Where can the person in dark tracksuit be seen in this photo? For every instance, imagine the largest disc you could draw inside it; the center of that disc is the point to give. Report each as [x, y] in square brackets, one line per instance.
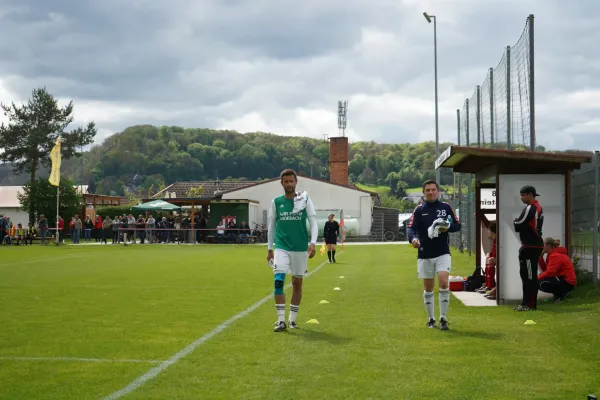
[529, 226]
[428, 230]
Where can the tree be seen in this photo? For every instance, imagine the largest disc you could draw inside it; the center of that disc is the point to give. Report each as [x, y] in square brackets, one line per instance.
[136, 196]
[390, 201]
[32, 130]
[196, 191]
[40, 196]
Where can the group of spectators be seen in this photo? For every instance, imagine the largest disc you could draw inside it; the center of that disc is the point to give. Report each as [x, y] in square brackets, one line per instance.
[126, 228]
[15, 234]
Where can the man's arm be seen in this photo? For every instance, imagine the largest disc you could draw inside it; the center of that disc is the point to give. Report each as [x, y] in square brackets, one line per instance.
[455, 225]
[271, 225]
[311, 214]
[526, 215]
[413, 226]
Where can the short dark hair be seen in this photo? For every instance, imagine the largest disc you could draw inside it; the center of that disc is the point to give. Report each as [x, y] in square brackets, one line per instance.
[492, 227]
[288, 172]
[431, 182]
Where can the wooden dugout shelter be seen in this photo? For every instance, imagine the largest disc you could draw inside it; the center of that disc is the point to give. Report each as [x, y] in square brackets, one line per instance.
[507, 171]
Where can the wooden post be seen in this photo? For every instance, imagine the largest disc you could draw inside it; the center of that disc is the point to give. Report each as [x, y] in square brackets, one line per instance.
[478, 242]
[498, 252]
[193, 233]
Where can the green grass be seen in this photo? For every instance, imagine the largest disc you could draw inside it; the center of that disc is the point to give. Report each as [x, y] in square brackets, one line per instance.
[584, 239]
[149, 302]
[373, 188]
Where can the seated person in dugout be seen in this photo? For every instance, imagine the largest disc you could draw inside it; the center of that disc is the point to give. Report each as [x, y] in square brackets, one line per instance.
[558, 276]
[489, 287]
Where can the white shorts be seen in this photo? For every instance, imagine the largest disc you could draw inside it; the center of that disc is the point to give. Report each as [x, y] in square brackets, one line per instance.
[291, 262]
[428, 267]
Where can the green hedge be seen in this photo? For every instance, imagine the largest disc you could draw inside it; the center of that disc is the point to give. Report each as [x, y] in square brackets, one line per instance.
[112, 211]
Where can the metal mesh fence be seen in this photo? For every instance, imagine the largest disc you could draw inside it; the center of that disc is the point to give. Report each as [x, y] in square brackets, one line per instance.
[463, 204]
[519, 90]
[498, 113]
[463, 126]
[585, 208]
[500, 104]
[486, 112]
[473, 120]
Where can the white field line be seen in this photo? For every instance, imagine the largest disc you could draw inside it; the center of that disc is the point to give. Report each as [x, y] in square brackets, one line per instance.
[96, 360]
[44, 260]
[154, 372]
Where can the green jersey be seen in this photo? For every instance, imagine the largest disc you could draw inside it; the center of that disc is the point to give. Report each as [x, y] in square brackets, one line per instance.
[289, 227]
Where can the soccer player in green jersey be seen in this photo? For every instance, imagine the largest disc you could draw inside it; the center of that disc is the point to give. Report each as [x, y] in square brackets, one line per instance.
[287, 230]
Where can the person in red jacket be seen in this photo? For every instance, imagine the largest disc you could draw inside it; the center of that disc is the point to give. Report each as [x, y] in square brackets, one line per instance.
[558, 276]
[98, 229]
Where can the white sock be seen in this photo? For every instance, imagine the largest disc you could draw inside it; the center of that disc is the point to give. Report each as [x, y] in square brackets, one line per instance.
[280, 312]
[444, 302]
[428, 299]
[293, 312]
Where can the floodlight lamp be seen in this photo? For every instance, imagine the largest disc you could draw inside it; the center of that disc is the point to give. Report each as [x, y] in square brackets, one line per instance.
[427, 17]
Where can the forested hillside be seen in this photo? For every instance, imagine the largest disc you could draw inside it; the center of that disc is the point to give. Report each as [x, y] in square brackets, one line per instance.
[145, 155]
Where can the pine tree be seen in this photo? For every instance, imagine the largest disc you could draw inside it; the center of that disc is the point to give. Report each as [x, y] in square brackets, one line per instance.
[32, 130]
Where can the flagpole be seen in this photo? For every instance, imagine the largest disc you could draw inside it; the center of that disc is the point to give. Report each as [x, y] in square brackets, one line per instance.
[57, 207]
[54, 179]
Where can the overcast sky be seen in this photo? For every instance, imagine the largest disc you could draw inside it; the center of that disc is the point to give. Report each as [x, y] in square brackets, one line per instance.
[280, 66]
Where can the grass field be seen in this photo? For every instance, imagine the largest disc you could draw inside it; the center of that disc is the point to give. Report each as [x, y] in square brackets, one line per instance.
[374, 188]
[154, 322]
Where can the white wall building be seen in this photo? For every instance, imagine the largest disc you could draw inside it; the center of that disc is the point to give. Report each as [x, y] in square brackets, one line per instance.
[10, 205]
[326, 196]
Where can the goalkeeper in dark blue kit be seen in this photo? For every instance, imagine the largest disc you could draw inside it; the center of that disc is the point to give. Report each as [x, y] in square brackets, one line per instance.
[428, 230]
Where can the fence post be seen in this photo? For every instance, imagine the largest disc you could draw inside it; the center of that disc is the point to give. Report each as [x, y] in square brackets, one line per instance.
[596, 216]
[467, 124]
[458, 125]
[478, 116]
[508, 105]
[531, 84]
[492, 107]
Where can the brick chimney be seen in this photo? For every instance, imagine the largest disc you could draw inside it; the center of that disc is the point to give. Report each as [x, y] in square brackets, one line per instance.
[338, 160]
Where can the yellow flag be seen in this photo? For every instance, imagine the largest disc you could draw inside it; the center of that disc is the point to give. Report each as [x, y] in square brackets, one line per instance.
[56, 160]
[323, 249]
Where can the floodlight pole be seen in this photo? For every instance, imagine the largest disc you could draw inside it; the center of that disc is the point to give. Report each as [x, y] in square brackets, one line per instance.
[437, 133]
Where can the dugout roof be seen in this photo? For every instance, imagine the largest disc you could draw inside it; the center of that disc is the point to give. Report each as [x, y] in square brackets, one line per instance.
[472, 160]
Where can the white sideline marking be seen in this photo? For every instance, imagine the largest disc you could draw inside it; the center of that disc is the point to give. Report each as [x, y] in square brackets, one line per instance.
[78, 359]
[151, 374]
[43, 260]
